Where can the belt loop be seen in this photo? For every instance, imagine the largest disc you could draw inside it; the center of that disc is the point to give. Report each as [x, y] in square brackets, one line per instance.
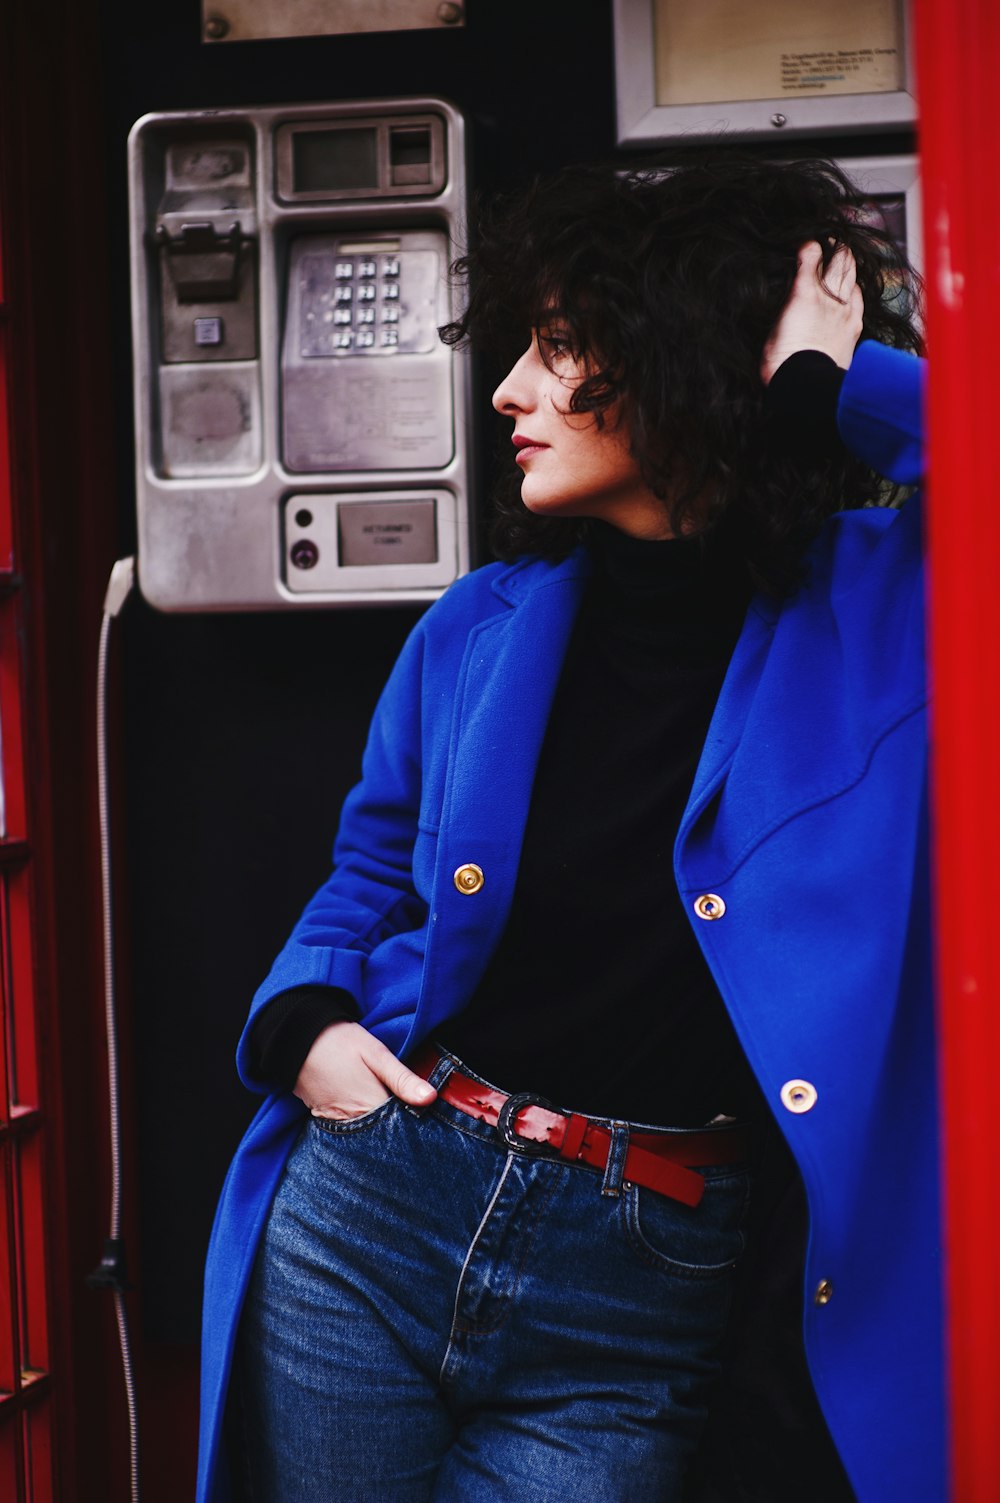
[442, 1069]
[436, 1076]
[615, 1167]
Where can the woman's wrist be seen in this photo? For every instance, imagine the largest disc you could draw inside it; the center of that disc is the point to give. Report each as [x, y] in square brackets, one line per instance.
[285, 1030]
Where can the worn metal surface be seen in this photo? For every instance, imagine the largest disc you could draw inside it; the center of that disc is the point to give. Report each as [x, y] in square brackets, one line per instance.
[247, 20]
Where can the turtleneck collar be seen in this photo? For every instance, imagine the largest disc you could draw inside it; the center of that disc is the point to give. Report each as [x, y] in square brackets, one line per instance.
[668, 582]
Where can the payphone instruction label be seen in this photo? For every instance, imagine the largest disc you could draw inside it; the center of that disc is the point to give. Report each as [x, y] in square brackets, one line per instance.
[387, 532]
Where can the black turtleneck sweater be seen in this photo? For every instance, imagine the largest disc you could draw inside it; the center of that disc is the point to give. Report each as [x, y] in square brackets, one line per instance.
[597, 996]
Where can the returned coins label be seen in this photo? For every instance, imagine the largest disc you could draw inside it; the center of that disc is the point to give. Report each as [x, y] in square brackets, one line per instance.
[387, 532]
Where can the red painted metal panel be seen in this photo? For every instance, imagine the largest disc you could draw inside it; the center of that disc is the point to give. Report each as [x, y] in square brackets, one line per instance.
[958, 50]
[6, 512]
[26, 1459]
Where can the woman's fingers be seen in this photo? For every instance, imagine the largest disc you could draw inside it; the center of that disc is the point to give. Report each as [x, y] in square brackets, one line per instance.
[396, 1077]
[348, 1072]
[825, 311]
[841, 276]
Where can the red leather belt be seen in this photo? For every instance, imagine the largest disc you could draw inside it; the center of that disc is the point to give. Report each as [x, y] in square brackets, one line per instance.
[659, 1161]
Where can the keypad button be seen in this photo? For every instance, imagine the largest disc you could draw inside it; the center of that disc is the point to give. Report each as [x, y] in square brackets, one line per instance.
[345, 294]
[366, 292]
[390, 266]
[366, 315]
[364, 338]
[341, 315]
[366, 268]
[390, 336]
[390, 290]
[344, 269]
[343, 341]
[390, 315]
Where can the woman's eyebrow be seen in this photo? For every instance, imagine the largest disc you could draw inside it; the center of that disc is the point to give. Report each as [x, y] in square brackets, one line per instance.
[550, 316]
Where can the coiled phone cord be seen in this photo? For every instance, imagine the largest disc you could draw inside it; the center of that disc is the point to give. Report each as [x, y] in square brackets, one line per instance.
[110, 1273]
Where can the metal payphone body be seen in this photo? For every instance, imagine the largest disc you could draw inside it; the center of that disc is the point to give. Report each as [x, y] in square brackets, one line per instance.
[302, 435]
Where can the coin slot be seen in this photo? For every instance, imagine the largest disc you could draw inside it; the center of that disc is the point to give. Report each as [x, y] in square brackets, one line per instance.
[410, 154]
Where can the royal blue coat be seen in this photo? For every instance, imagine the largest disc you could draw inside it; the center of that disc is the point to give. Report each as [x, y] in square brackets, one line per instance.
[808, 818]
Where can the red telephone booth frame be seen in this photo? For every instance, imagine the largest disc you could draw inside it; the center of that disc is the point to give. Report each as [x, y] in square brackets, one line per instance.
[957, 52]
[958, 47]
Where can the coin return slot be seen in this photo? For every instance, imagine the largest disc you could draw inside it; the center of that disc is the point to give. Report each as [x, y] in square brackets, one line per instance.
[410, 155]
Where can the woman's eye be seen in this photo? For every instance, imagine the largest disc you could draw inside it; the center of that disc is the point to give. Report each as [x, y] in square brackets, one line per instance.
[556, 346]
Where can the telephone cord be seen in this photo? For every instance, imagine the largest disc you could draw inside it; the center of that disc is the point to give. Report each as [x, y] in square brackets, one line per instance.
[111, 1271]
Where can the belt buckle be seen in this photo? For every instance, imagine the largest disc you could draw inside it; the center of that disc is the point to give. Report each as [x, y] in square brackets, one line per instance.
[507, 1116]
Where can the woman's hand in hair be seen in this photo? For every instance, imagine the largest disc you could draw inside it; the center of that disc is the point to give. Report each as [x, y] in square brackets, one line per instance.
[348, 1072]
[824, 311]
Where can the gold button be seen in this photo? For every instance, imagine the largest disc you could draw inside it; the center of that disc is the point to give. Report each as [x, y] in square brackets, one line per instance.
[824, 1292]
[799, 1095]
[469, 878]
[709, 906]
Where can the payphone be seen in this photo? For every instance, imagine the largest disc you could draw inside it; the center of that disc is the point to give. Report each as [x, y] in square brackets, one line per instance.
[301, 432]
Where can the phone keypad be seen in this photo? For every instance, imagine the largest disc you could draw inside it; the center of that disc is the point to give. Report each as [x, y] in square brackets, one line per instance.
[357, 308]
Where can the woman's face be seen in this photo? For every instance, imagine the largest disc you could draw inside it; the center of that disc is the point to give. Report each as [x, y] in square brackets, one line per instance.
[572, 467]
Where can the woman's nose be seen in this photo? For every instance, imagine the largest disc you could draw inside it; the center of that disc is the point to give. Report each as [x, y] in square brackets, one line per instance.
[513, 395]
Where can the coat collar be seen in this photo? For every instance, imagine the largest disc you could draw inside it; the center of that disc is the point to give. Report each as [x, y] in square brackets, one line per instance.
[515, 584]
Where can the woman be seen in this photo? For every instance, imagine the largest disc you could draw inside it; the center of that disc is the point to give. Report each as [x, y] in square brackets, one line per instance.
[637, 865]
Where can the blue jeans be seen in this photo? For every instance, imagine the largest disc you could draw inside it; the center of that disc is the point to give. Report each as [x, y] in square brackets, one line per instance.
[434, 1318]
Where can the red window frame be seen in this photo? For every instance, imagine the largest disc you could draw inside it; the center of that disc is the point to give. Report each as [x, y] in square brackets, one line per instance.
[26, 1452]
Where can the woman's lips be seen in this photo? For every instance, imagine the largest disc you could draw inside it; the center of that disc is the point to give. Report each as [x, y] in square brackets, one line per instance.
[526, 447]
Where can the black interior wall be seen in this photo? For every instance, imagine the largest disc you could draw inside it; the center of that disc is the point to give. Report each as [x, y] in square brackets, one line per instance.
[243, 733]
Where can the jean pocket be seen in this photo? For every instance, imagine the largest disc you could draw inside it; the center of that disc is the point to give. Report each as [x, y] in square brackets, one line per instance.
[338, 1126]
[694, 1242]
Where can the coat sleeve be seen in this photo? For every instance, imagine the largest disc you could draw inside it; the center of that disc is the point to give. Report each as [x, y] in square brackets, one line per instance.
[370, 894]
[881, 409]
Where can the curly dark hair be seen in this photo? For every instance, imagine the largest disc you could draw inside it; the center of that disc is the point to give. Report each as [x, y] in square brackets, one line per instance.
[670, 281]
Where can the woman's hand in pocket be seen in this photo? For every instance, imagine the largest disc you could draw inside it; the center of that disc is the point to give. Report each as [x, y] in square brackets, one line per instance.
[348, 1073]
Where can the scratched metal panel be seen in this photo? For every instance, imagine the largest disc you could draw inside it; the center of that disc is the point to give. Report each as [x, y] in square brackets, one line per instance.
[249, 20]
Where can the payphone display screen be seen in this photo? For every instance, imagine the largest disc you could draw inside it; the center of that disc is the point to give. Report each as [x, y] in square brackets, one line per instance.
[335, 160]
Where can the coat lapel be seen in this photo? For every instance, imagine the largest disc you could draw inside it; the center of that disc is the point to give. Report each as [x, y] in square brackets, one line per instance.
[732, 708]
